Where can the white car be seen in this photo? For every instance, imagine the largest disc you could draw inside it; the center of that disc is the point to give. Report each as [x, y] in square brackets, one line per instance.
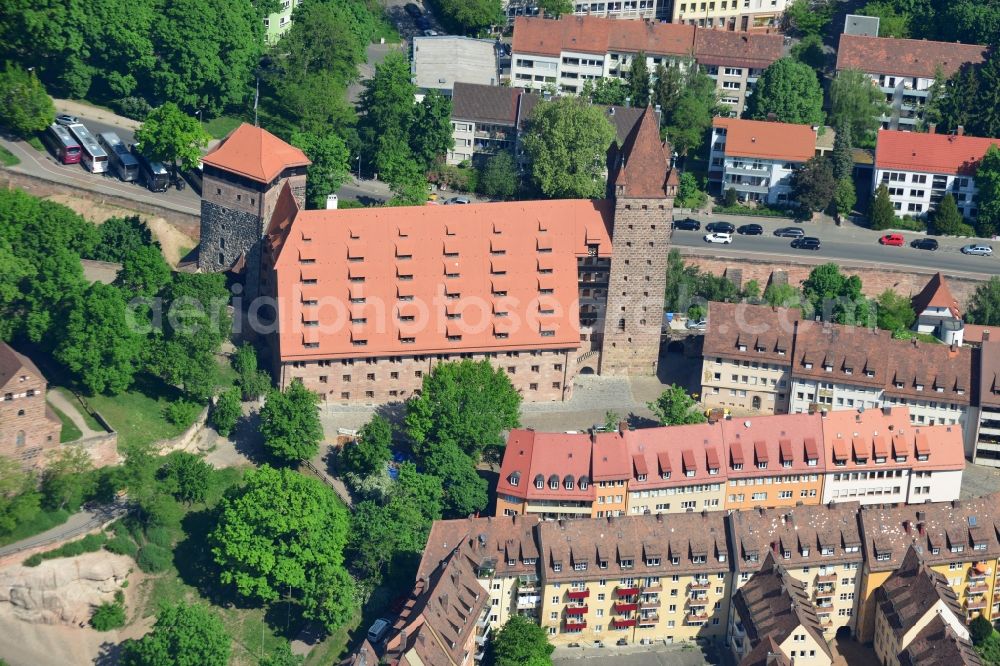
[719, 238]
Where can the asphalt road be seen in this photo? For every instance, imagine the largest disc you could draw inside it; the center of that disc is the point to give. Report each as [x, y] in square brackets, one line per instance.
[848, 244]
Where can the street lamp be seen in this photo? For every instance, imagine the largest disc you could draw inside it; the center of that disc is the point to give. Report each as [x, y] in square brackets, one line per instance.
[199, 115]
[359, 167]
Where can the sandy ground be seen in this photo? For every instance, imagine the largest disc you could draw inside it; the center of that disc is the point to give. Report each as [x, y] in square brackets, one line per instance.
[173, 242]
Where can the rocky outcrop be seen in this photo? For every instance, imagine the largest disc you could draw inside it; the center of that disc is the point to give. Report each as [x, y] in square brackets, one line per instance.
[62, 591]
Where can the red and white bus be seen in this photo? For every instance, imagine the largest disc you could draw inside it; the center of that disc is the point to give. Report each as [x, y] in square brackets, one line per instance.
[93, 156]
[62, 144]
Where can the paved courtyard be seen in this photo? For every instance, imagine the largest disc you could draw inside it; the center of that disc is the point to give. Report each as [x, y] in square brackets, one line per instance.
[652, 655]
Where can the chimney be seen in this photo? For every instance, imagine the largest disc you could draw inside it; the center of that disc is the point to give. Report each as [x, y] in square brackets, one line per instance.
[622, 426]
[986, 335]
[906, 526]
[931, 128]
[920, 529]
[960, 130]
[921, 516]
[659, 517]
[331, 202]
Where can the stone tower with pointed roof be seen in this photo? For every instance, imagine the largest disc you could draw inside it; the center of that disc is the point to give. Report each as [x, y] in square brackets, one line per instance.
[243, 176]
[643, 186]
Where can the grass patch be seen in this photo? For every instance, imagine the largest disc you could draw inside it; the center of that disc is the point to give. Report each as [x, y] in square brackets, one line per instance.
[386, 30]
[219, 127]
[921, 337]
[44, 520]
[759, 211]
[8, 158]
[36, 143]
[69, 432]
[138, 414]
[88, 418]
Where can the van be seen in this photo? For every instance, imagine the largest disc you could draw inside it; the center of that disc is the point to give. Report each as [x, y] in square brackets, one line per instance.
[377, 631]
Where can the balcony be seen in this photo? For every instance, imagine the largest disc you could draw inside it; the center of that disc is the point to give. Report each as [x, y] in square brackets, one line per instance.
[831, 578]
[576, 595]
[619, 607]
[702, 584]
[824, 593]
[481, 655]
[576, 610]
[649, 620]
[977, 589]
[979, 571]
[696, 619]
[975, 604]
[649, 605]
[698, 595]
[575, 625]
[746, 187]
[484, 622]
[527, 602]
[481, 640]
[748, 170]
[650, 589]
[820, 605]
[626, 591]
[622, 624]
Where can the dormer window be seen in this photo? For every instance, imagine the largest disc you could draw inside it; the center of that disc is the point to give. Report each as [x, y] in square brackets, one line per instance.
[528, 561]
[828, 368]
[514, 478]
[568, 484]
[579, 566]
[762, 465]
[742, 347]
[786, 463]
[737, 467]
[935, 550]
[554, 484]
[751, 556]
[689, 472]
[652, 561]
[848, 371]
[627, 563]
[583, 484]
[920, 387]
[898, 385]
[665, 475]
[922, 457]
[602, 564]
[640, 477]
[539, 482]
[826, 550]
[787, 554]
[805, 551]
[812, 462]
[698, 559]
[557, 566]
[511, 563]
[809, 366]
[957, 548]
[869, 373]
[675, 560]
[713, 471]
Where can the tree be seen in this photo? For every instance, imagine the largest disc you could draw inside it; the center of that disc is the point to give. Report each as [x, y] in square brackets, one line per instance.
[844, 196]
[371, 451]
[25, 107]
[688, 119]
[498, 177]
[843, 153]
[837, 297]
[611, 420]
[19, 501]
[668, 86]
[731, 197]
[555, 8]
[894, 312]
[856, 102]
[689, 195]
[282, 533]
[67, 479]
[782, 295]
[99, 345]
[891, 21]
[330, 166]
[813, 185]
[227, 411]
[282, 656]
[253, 383]
[567, 142]
[431, 134]
[947, 219]
[521, 642]
[185, 476]
[988, 195]
[606, 91]
[183, 635]
[169, 135]
[790, 91]
[120, 237]
[471, 16]
[638, 80]
[984, 307]
[465, 492]
[809, 50]
[809, 17]
[676, 407]
[108, 616]
[144, 271]
[882, 214]
[290, 423]
[980, 629]
[465, 403]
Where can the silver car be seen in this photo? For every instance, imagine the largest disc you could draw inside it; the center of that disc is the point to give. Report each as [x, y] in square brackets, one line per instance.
[978, 249]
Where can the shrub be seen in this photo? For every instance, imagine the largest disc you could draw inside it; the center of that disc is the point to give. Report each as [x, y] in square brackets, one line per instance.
[122, 545]
[908, 223]
[135, 108]
[161, 536]
[108, 616]
[731, 198]
[88, 544]
[760, 211]
[181, 413]
[154, 559]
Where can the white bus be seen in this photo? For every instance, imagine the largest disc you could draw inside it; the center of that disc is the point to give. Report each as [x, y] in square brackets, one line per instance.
[122, 161]
[93, 158]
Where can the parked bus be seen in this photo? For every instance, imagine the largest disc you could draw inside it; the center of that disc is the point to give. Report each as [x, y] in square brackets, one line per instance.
[62, 144]
[154, 174]
[93, 156]
[122, 161]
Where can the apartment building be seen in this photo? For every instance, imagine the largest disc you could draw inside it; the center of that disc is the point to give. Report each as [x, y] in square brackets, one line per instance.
[564, 54]
[278, 23]
[639, 578]
[742, 15]
[958, 540]
[504, 554]
[987, 421]
[757, 158]
[774, 461]
[773, 607]
[918, 169]
[29, 428]
[616, 9]
[904, 70]
[746, 358]
[913, 605]
[878, 457]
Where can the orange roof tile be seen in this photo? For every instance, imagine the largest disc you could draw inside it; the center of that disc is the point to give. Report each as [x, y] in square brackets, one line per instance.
[774, 440]
[767, 140]
[255, 153]
[736, 49]
[677, 450]
[930, 153]
[362, 262]
[936, 294]
[591, 34]
[905, 57]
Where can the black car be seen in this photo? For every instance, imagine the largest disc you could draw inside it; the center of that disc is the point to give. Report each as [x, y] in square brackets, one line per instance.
[924, 244]
[750, 229]
[412, 10]
[687, 224]
[720, 228]
[806, 243]
[789, 232]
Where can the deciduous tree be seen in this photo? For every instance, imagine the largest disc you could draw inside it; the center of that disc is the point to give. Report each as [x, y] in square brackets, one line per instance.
[638, 80]
[121, 236]
[290, 423]
[894, 313]
[471, 16]
[431, 130]
[371, 451]
[809, 50]
[183, 635]
[790, 91]
[253, 383]
[688, 119]
[610, 91]
[988, 195]
[946, 219]
[809, 17]
[19, 500]
[844, 196]
[25, 107]
[169, 135]
[227, 411]
[813, 185]
[330, 166]
[676, 407]
[984, 308]
[498, 177]
[856, 102]
[67, 479]
[465, 492]
[555, 8]
[185, 476]
[144, 272]
[567, 142]
[521, 642]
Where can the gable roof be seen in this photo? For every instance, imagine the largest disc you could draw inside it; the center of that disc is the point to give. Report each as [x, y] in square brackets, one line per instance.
[485, 104]
[930, 153]
[13, 364]
[936, 294]
[768, 140]
[937, 644]
[989, 373]
[736, 49]
[912, 591]
[905, 57]
[483, 541]
[767, 653]
[255, 153]
[643, 164]
[599, 35]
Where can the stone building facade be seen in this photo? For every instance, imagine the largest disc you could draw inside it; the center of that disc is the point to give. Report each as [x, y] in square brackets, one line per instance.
[28, 426]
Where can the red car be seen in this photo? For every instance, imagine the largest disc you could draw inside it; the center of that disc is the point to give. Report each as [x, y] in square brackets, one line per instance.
[892, 239]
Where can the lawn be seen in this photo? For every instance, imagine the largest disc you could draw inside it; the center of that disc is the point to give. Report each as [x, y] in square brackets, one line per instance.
[219, 127]
[138, 414]
[45, 520]
[69, 432]
[36, 143]
[387, 31]
[8, 158]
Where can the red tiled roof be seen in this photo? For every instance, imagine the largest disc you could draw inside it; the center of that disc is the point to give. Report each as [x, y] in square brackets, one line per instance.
[768, 140]
[930, 153]
[13, 363]
[591, 34]
[677, 449]
[905, 57]
[936, 294]
[774, 440]
[611, 459]
[399, 260]
[255, 153]
[644, 161]
[548, 456]
[736, 49]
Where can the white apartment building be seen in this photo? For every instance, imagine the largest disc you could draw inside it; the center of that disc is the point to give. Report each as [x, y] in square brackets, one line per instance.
[732, 15]
[278, 23]
[757, 158]
[918, 169]
[904, 70]
[615, 9]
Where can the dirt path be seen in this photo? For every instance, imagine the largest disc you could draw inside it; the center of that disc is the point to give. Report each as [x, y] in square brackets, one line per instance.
[60, 402]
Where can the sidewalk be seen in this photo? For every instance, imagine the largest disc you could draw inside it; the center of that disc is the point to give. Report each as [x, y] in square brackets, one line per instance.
[70, 409]
[75, 108]
[76, 525]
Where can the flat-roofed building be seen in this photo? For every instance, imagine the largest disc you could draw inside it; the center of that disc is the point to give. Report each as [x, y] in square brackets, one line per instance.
[637, 578]
[987, 422]
[774, 461]
[441, 61]
[878, 457]
[820, 546]
[958, 540]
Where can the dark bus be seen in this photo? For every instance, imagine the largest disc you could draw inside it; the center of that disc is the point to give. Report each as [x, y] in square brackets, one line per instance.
[154, 174]
[62, 144]
[122, 161]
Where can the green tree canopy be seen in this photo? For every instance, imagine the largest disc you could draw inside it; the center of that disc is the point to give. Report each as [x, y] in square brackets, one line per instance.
[782, 295]
[227, 411]
[330, 164]
[283, 532]
[498, 177]
[837, 297]
[144, 272]
[809, 17]
[790, 91]
[185, 476]
[947, 219]
[371, 451]
[894, 313]
[555, 8]
[19, 499]
[521, 642]
[687, 117]
[289, 422]
[856, 102]
[882, 215]
[809, 50]
[842, 155]
[638, 80]
[844, 196]
[676, 407]
[610, 91]
[984, 308]
[431, 130]
[891, 21]
[183, 635]
[471, 16]
[813, 185]
[988, 195]
[465, 492]
[169, 135]
[67, 479]
[465, 403]
[120, 237]
[25, 107]
[567, 141]
[253, 383]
